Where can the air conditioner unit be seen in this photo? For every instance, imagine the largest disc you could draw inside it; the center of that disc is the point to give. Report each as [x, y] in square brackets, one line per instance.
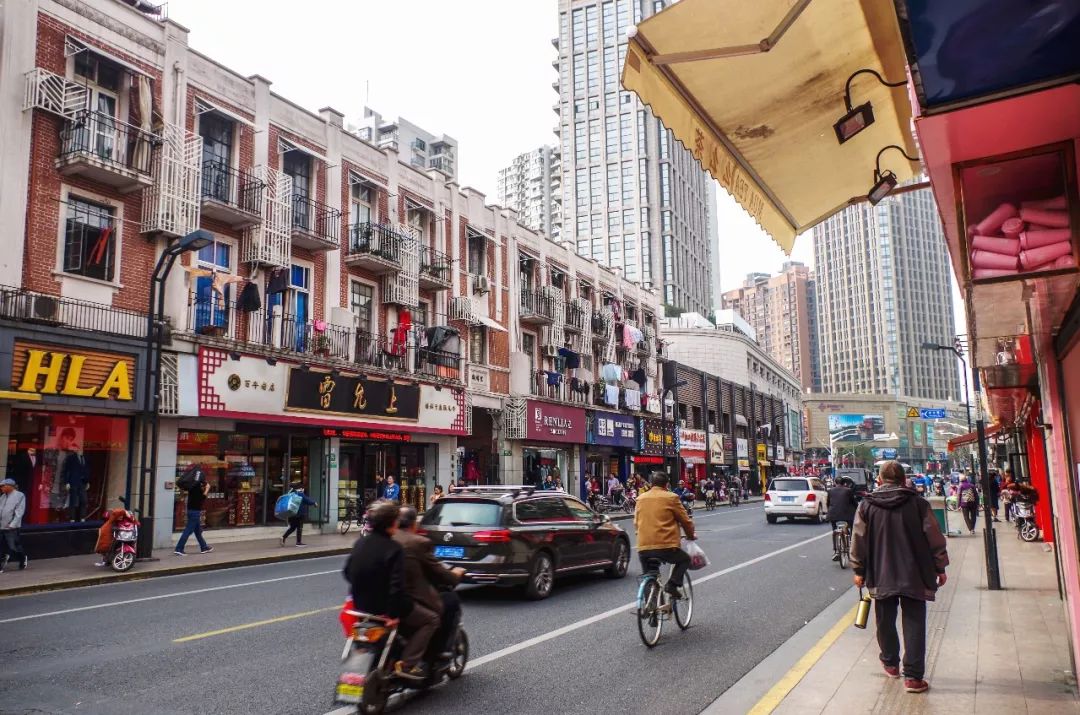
[481, 284]
[38, 309]
[551, 351]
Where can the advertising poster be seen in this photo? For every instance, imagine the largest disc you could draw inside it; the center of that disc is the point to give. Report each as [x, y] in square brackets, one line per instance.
[855, 428]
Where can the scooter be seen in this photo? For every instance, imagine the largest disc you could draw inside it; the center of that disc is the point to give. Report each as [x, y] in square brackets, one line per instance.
[373, 644]
[125, 534]
[630, 502]
[1024, 516]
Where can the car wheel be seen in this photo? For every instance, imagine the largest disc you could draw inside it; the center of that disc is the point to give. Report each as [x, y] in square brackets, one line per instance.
[821, 515]
[771, 518]
[541, 577]
[621, 562]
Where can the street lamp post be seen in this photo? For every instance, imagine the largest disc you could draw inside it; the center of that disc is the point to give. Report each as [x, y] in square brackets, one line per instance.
[150, 427]
[668, 404]
[993, 574]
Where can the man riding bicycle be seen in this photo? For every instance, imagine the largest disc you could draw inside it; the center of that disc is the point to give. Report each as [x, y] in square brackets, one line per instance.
[842, 507]
[735, 489]
[657, 520]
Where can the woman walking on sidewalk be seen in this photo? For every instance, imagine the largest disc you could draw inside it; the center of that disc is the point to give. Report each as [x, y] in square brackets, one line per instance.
[969, 503]
[296, 523]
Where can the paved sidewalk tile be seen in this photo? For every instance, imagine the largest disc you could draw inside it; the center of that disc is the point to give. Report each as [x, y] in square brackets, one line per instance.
[987, 651]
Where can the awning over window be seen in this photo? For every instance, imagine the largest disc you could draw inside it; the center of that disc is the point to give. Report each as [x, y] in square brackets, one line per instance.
[753, 90]
[494, 325]
[972, 437]
[740, 421]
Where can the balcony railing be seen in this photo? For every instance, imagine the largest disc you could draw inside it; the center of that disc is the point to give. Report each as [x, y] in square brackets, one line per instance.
[106, 149]
[602, 323]
[564, 390]
[315, 225]
[32, 307]
[238, 190]
[577, 315]
[434, 268]
[375, 246]
[536, 306]
[267, 328]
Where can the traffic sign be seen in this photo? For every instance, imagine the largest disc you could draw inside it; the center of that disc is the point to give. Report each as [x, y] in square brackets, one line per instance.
[935, 413]
[912, 412]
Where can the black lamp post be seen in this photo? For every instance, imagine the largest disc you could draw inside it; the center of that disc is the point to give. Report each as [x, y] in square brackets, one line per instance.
[150, 427]
[668, 403]
[993, 574]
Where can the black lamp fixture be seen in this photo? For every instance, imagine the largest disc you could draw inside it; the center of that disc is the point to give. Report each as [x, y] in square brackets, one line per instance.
[305, 367]
[234, 355]
[885, 182]
[271, 361]
[858, 118]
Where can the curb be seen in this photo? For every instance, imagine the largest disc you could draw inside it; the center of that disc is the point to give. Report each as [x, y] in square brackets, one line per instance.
[172, 571]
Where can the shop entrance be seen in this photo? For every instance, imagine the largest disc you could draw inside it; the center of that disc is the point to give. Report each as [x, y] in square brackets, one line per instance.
[364, 467]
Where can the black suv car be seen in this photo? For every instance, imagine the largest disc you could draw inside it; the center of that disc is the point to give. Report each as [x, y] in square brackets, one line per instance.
[520, 536]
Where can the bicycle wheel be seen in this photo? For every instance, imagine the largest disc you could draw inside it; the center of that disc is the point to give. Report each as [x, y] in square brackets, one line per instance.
[345, 524]
[844, 545]
[684, 607]
[649, 620]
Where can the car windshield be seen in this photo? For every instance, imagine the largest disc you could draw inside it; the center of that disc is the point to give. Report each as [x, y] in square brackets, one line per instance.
[789, 485]
[463, 513]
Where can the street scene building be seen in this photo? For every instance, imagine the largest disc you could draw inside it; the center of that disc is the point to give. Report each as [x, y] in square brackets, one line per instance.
[532, 186]
[415, 146]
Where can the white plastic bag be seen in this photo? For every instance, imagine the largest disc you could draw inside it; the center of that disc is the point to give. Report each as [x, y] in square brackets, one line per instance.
[698, 559]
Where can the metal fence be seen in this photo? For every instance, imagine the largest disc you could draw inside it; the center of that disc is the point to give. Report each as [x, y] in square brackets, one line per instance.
[108, 140]
[32, 307]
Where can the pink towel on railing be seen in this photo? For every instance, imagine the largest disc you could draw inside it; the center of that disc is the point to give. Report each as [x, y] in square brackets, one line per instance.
[1004, 246]
[1037, 258]
[1034, 239]
[1055, 204]
[992, 223]
[1043, 217]
[986, 259]
[980, 273]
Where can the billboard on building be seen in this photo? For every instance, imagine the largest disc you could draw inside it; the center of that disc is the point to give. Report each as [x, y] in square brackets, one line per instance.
[854, 427]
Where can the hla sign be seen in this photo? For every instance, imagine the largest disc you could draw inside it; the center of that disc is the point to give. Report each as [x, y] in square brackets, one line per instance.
[102, 376]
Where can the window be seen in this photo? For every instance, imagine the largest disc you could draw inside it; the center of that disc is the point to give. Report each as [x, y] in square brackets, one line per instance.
[296, 308]
[446, 513]
[211, 309]
[297, 165]
[578, 510]
[626, 129]
[477, 254]
[217, 135]
[361, 203]
[549, 509]
[478, 345]
[90, 240]
[528, 346]
[361, 298]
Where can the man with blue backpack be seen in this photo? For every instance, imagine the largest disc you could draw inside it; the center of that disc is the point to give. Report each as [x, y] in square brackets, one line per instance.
[294, 507]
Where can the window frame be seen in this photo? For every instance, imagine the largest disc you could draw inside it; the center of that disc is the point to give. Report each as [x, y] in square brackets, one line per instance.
[66, 194]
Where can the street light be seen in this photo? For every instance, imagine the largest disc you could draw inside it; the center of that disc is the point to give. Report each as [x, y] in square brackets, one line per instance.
[148, 451]
[669, 404]
[993, 575]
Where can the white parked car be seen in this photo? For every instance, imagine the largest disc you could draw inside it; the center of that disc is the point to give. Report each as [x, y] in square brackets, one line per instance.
[796, 497]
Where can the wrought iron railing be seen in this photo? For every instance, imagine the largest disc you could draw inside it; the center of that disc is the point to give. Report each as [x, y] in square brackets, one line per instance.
[561, 388]
[434, 264]
[438, 363]
[108, 140]
[316, 218]
[376, 239]
[234, 187]
[576, 316]
[535, 302]
[228, 320]
[33, 307]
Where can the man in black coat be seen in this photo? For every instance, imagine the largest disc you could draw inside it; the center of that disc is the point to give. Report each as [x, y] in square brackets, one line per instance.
[375, 571]
[841, 508]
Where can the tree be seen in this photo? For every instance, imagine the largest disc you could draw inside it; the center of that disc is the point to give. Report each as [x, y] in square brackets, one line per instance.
[672, 311]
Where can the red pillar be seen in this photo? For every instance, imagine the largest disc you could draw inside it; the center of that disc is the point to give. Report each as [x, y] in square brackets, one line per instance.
[1037, 468]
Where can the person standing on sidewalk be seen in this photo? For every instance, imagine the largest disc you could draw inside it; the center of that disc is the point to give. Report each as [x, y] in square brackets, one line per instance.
[392, 492]
[899, 553]
[195, 499]
[12, 508]
[969, 502]
[296, 523]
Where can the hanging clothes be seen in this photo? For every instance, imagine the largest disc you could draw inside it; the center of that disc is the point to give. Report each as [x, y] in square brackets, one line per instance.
[611, 395]
[636, 335]
[401, 332]
[279, 281]
[627, 336]
[554, 379]
[97, 253]
[249, 300]
[611, 373]
[633, 399]
[638, 376]
[573, 360]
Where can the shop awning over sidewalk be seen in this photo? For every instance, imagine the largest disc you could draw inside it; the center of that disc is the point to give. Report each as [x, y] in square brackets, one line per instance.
[972, 437]
[759, 113]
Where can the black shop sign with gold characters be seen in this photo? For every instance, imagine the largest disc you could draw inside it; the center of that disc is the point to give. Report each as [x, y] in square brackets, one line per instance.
[327, 393]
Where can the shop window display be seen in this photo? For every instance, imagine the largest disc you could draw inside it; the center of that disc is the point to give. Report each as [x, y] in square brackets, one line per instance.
[235, 467]
[70, 466]
[539, 464]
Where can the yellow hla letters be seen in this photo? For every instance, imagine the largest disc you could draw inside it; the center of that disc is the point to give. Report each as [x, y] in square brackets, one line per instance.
[117, 380]
[48, 365]
[35, 369]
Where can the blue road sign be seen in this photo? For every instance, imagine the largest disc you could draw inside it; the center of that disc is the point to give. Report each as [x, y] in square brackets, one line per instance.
[936, 413]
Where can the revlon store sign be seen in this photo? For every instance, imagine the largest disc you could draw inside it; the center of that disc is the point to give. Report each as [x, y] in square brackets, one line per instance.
[553, 423]
[45, 372]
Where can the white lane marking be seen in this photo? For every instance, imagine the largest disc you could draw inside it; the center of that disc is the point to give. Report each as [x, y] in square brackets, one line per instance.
[166, 595]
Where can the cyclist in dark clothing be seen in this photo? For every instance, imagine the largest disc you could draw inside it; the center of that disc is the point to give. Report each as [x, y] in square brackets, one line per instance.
[841, 508]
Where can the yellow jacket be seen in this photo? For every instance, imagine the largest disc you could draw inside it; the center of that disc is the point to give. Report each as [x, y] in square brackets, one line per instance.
[657, 518]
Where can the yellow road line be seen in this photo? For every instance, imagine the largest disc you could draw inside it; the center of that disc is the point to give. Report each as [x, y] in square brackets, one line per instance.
[256, 624]
[778, 692]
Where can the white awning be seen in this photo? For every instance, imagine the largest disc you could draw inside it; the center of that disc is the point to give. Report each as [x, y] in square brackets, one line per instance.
[491, 323]
[202, 104]
[357, 178]
[73, 46]
[741, 421]
[284, 146]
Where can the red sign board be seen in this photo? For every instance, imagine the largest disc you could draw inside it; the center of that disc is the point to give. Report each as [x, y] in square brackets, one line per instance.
[367, 434]
[554, 423]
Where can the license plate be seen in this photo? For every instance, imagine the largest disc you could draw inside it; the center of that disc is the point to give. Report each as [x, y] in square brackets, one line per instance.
[449, 552]
[787, 499]
[347, 693]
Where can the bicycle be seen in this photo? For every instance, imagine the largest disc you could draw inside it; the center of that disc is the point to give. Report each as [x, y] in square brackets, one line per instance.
[842, 543]
[353, 513]
[710, 500]
[654, 604]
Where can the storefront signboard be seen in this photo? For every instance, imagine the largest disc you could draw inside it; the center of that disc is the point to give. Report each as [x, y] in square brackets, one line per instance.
[716, 448]
[742, 450]
[654, 436]
[613, 430]
[366, 434]
[43, 369]
[441, 409]
[692, 440]
[325, 393]
[780, 452]
[554, 423]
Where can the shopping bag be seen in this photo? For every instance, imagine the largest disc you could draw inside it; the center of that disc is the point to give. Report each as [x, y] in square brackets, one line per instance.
[698, 559]
[288, 505]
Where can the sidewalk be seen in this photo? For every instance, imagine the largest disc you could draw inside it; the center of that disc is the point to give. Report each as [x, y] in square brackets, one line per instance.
[987, 651]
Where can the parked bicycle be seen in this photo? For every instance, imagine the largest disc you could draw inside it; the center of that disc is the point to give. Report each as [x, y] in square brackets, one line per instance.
[842, 543]
[354, 514]
[655, 605]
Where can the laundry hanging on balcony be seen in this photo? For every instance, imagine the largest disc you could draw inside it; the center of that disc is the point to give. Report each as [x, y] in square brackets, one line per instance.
[611, 373]
[249, 300]
[279, 281]
[611, 395]
[572, 359]
[631, 336]
[401, 333]
[443, 346]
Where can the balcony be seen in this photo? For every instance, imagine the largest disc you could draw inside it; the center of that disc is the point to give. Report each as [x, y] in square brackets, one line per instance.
[101, 148]
[563, 390]
[31, 307]
[375, 247]
[315, 226]
[232, 196]
[578, 313]
[434, 269]
[536, 307]
[269, 328]
[603, 325]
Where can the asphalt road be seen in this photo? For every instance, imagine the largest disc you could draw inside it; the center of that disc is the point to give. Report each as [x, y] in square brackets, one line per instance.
[265, 639]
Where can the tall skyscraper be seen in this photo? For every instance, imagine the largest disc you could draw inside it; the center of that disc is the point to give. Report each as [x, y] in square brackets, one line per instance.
[883, 289]
[778, 309]
[633, 197]
[532, 186]
[423, 149]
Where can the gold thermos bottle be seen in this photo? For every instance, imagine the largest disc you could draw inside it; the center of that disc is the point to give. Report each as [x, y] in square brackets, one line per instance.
[862, 615]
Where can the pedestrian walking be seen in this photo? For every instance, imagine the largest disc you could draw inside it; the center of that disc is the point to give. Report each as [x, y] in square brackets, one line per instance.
[969, 502]
[994, 494]
[436, 495]
[1008, 494]
[898, 552]
[195, 499]
[296, 522]
[12, 508]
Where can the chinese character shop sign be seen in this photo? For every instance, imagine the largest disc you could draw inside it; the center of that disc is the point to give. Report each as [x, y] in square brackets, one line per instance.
[613, 430]
[324, 392]
[554, 423]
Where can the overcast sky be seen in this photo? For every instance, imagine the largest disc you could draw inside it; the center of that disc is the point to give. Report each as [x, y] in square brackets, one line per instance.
[478, 70]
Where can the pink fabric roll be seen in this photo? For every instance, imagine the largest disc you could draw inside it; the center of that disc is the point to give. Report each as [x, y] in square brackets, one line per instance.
[992, 223]
[980, 273]
[1053, 219]
[1004, 246]
[1055, 204]
[1037, 257]
[986, 259]
[1065, 262]
[1012, 227]
[1035, 239]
